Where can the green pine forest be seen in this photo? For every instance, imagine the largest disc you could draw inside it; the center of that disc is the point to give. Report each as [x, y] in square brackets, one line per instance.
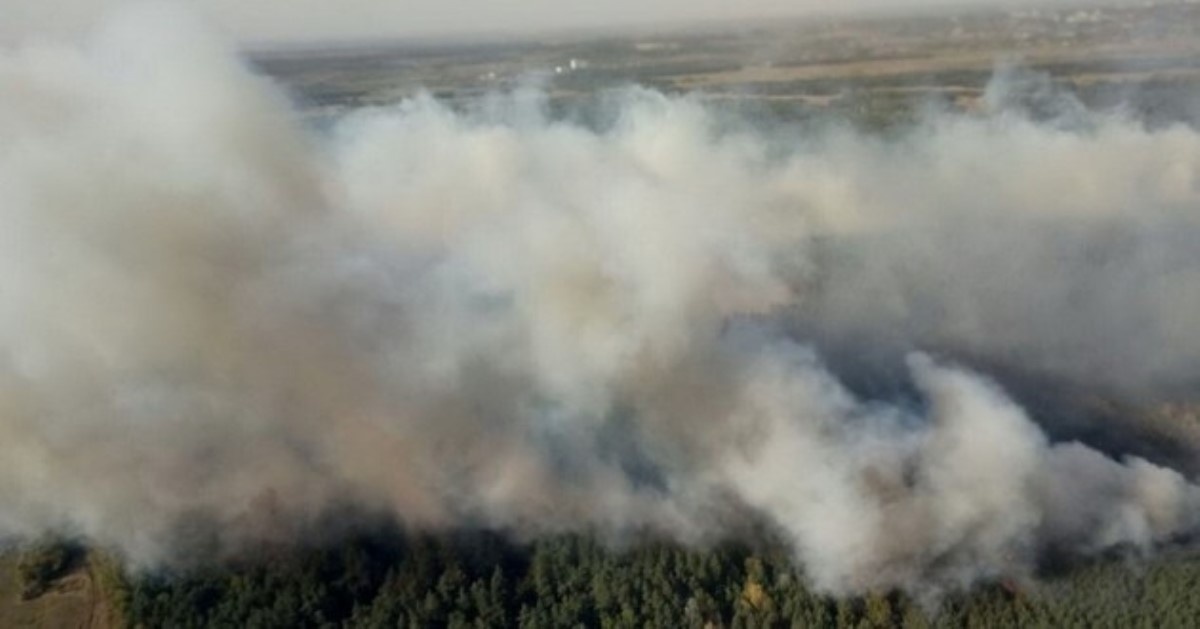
[485, 580]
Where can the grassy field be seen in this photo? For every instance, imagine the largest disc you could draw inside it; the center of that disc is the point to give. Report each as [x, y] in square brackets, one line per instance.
[74, 601]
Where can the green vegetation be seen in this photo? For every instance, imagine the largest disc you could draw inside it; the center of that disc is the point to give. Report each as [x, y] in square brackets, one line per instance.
[481, 580]
[111, 583]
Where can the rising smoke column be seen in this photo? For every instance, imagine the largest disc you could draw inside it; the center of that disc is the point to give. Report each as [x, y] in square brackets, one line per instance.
[216, 325]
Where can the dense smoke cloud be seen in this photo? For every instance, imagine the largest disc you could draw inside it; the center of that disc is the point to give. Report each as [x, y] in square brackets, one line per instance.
[216, 325]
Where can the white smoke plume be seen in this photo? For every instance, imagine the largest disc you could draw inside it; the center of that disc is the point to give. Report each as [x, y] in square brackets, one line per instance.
[215, 322]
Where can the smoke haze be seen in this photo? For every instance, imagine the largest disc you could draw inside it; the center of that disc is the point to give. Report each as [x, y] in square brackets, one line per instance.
[216, 325]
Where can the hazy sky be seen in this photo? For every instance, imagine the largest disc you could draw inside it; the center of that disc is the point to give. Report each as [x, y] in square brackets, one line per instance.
[298, 20]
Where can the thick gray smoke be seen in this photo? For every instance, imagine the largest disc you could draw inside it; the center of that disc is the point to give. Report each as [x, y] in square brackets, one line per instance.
[215, 321]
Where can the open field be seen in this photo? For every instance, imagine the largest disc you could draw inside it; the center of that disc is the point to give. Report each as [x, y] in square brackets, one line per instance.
[74, 601]
[863, 68]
